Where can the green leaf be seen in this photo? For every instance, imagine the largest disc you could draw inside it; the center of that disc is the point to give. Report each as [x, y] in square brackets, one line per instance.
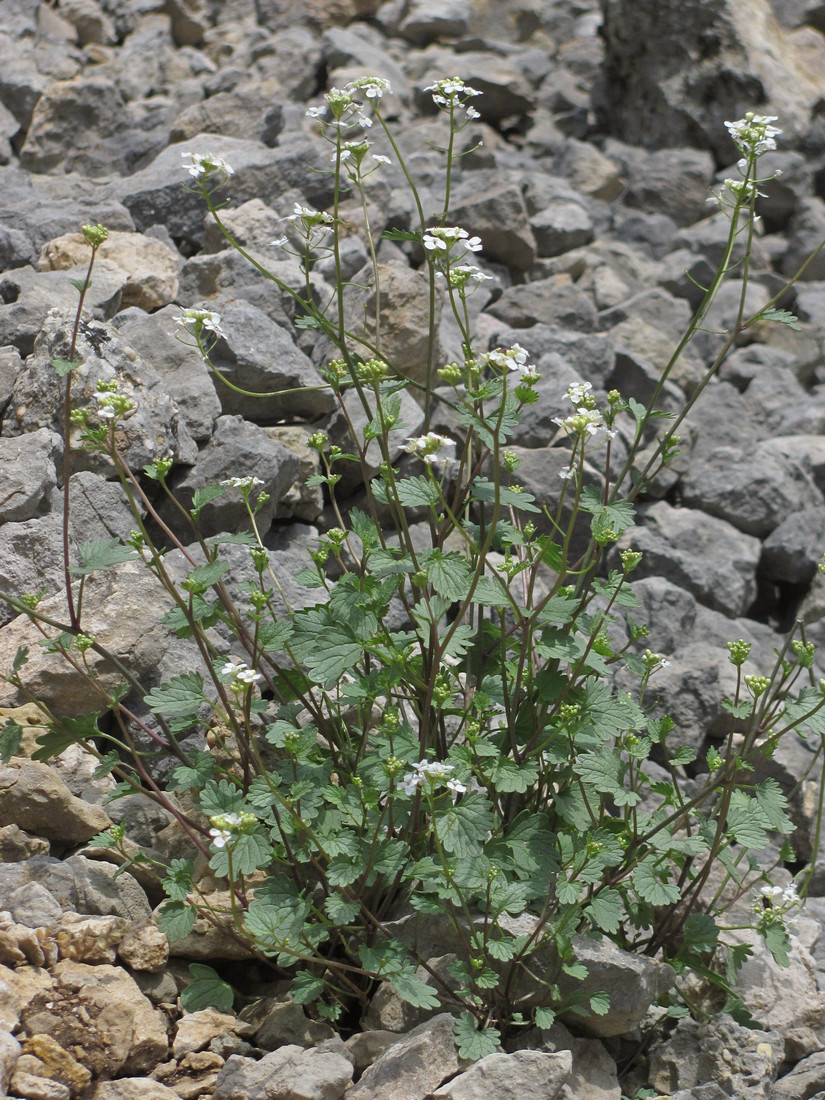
[781, 316]
[178, 880]
[746, 822]
[10, 740]
[605, 910]
[400, 235]
[196, 773]
[448, 574]
[179, 697]
[341, 910]
[649, 885]
[700, 932]
[509, 777]
[324, 644]
[306, 320]
[202, 611]
[683, 755]
[204, 496]
[415, 492]
[101, 554]
[465, 825]
[208, 990]
[773, 804]
[777, 942]
[21, 658]
[364, 528]
[107, 765]
[62, 367]
[413, 990]
[249, 852]
[473, 1044]
[306, 988]
[600, 1004]
[80, 284]
[484, 489]
[64, 732]
[204, 576]
[545, 1018]
[176, 919]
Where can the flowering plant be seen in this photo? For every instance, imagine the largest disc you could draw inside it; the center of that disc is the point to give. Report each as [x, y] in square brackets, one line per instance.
[441, 733]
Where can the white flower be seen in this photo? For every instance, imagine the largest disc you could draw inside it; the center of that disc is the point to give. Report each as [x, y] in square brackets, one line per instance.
[441, 238]
[578, 392]
[584, 422]
[373, 87]
[427, 447]
[433, 769]
[456, 786]
[207, 165]
[279, 243]
[566, 472]
[220, 837]
[754, 134]
[409, 783]
[242, 482]
[241, 673]
[379, 158]
[200, 320]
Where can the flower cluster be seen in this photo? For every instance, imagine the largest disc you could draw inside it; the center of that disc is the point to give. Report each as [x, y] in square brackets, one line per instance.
[587, 421]
[226, 826]
[432, 772]
[343, 108]
[754, 134]
[460, 276]
[240, 673]
[427, 447]
[207, 168]
[777, 905]
[451, 94]
[111, 405]
[442, 238]
[244, 484]
[513, 359]
[200, 321]
[352, 153]
[312, 226]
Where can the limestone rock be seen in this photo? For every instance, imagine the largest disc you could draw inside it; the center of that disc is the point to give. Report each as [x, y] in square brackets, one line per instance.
[412, 1067]
[35, 798]
[316, 1074]
[526, 1075]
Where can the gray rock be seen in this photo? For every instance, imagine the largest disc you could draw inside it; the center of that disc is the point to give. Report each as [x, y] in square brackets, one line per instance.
[502, 81]
[42, 869]
[286, 1074]
[710, 558]
[742, 1062]
[753, 489]
[550, 301]
[29, 295]
[589, 355]
[411, 1068]
[102, 891]
[807, 228]
[31, 1086]
[98, 507]
[525, 1075]
[560, 227]
[497, 214]
[594, 1075]
[260, 356]
[427, 21]
[155, 337]
[664, 84]
[104, 137]
[284, 1023]
[143, 818]
[34, 906]
[237, 448]
[31, 558]
[154, 430]
[806, 1078]
[156, 193]
[132, 1088]
[17, 846]
[252, 109]
[668, 610]
[791, 552]
[9, 1053]
[673, 182]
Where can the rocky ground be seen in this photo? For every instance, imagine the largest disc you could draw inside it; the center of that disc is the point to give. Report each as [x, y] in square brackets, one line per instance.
[603, 131]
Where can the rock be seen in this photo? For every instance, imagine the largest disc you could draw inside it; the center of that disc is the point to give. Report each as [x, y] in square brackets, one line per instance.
[150, 265]
[35, 798]
[707, 556]
[103, 890]
[411, 1068]
[753, 489]
[792, 550]
[593, 1075]
[123, 607]
[154, 430]
[497, 214]
[366, 1046]
[144, 948]
[236, 448]
[29, 296]
[98, 1014]
[806, 1078]
[550, 301]
[674, 72]
[528, 1074]
[561, 227]
[196, 1030]
[33, 1087]
[90, 940]
[741, 1061]
[428, 21]
[48, 1059]
[98, 507]
[9, 1053]
[284, 1023]
[259, 356]
[27, 473]
[15, 845]
[317, 1074]
[103, 138]
[31, 558]
[253, 110]
[132, 1088]
[155, 338]
[34, 906]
